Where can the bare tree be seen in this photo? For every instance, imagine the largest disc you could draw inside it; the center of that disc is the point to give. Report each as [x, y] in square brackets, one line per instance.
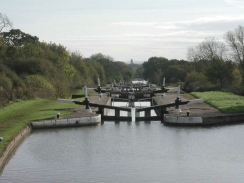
[235, 40]
[208, 50]
[4, 22]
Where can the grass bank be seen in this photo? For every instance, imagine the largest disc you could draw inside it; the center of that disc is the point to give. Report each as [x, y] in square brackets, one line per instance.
[224, 101]
[16, 116]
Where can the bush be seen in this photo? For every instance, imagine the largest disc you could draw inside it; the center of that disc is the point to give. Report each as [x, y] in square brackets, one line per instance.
[195, 81]
[5, 82]
[238, 90]
[38, 86]
[4, 97]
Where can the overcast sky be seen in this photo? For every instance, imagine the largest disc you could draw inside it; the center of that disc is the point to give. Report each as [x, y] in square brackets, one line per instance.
[126, 29]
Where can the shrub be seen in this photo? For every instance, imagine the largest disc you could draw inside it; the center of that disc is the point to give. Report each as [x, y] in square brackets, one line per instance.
[5, 82]
[38, 86]
[4, 97]
[195, 81]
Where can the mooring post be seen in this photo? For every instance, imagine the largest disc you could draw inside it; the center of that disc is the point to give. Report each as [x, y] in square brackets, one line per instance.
[86, 102]
[188, 112]
[58, 115]
[86, 98]
[177, 103]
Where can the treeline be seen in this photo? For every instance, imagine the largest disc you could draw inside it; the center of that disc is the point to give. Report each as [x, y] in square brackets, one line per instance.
[30, 68]
[212, 65]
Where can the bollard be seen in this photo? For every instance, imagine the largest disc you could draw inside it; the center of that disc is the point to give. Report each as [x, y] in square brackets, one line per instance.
[188, 112]
[87, 109]
[177, 106]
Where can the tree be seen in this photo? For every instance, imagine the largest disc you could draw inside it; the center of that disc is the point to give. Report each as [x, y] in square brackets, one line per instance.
[126, 73]
[113, 70]
[154, 68]
[235, 40]
[208, 50]
[196, 81]
[139, 72]
[174, 73]
[220, 73]
[17, 38]
[4, 22]
[77, 61]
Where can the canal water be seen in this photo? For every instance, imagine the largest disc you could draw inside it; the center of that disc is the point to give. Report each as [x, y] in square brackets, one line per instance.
[129, 152]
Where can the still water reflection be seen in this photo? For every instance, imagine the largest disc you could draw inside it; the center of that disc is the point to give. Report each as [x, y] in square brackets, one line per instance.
[130, 152]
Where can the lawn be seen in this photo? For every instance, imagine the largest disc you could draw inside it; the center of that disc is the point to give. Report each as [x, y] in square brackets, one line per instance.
[16, 116]
[224, 101]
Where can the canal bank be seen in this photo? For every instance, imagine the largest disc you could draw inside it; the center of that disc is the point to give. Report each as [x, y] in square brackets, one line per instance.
[12, 146]
[80, 117]
[79, 114]
[199, 113]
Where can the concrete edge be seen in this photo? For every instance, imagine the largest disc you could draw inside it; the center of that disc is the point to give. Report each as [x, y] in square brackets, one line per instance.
[183, 120]
[12, 146]
[82, 121]
[224, 119]
[208, 120]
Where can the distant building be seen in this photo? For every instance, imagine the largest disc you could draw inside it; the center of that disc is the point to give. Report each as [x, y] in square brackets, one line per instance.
[131, 61]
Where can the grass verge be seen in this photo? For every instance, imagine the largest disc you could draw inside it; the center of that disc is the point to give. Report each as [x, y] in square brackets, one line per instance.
[16, 116]
[224, 101]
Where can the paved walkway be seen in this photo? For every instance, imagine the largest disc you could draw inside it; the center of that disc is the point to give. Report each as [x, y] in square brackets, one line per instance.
[80, 110]
[198, 109]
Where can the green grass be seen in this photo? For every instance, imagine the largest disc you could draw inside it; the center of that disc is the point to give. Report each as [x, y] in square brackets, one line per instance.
[16, 116]
[80, 91]
[224, 101]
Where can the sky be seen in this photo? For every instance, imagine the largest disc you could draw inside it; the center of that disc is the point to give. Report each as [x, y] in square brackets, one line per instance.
[126, 29]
